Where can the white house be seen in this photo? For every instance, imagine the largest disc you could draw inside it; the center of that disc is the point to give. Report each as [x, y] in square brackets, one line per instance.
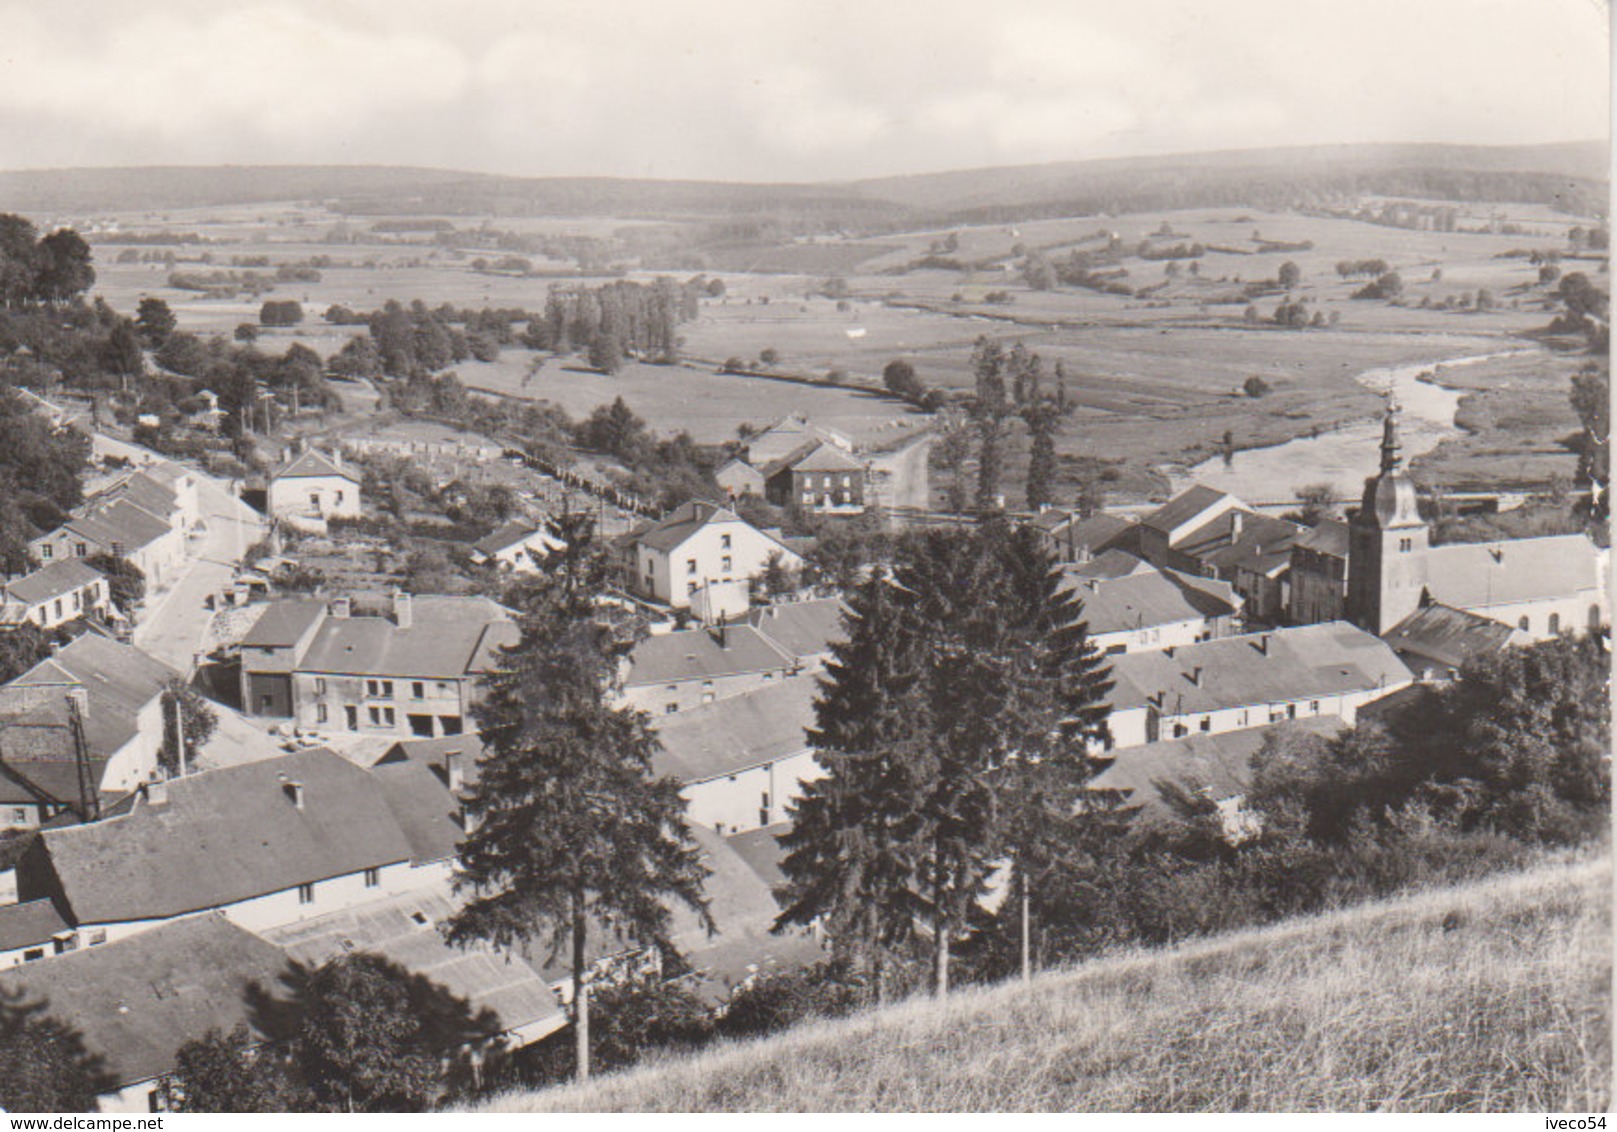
[1155, 609]
[312, 488]
[53, 595]
[514, 547]
[121, 528]
[742, 760]
[1332, 668]
[695, 545]
[674, 672]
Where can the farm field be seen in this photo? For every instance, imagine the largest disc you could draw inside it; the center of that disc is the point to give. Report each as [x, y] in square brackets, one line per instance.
[1154, 379]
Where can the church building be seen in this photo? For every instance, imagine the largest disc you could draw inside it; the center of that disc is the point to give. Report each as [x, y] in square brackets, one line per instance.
[1541, 587]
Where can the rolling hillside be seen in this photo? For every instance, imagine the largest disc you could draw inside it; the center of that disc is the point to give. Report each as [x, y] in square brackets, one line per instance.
[1491, 996]
[1568, 175]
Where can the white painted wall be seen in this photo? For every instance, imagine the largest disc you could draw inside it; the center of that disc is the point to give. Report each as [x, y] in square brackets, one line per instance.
[314, 495]
[752, 798]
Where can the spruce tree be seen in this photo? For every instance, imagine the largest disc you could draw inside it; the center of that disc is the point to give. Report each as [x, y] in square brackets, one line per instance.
[850, 855]
[571, 837]
[1043, 420]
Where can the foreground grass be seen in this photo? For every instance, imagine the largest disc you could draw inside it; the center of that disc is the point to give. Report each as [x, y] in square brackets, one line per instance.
[1490, 997]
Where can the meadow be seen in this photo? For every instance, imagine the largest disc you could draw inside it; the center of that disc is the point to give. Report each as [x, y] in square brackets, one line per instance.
[1489, 997]
[1154, 379]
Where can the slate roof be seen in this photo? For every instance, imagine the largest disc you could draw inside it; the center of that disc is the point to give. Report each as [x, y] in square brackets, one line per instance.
[1450, 636]
[506, 985]
[1329, 536]
[311, 464]
[669, 532]
[824, 457]
[1151, 598]
[745, 909]
[447, 638]
[1098, 532]
[29, 924]
[136, 1001]
[1303, 662]
[1221, 764]
[283, 623]
[37, 758]
[737, 732]
[1183, 507]
[49, 582]
[416, 791]
[224, 836]
[695, 654]
[118, 681]
[1479, 575]
[503, 538]
[1264, 543]
[1111, 563]
[143, 490]
[801, 628]
[119, 523]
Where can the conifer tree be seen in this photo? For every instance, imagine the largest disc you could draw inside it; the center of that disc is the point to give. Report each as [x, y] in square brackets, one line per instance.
[850, 857]
[1043, 421]
[571, 838]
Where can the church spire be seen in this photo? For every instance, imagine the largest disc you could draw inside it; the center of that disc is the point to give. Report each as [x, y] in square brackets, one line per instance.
[1390, 453]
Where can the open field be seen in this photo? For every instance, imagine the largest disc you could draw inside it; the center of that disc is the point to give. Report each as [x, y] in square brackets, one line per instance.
[1489, 997]
[1153, 378]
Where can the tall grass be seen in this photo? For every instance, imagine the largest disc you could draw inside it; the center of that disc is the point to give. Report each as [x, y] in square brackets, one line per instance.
[1493, 996]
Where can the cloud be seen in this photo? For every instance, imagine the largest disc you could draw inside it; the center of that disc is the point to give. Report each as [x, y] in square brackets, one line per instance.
[779, 89]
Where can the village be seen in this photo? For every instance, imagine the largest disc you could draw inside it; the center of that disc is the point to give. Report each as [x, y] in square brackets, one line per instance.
[150, 878]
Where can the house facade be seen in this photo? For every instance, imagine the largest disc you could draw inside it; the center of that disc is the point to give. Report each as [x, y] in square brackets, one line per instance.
[119, 528]
[684, 669]
[54, 595]
[696, 545]
[1155, 609]
[314, 487]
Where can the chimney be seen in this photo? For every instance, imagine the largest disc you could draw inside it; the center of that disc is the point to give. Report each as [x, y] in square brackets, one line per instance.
[1235, 526]
[1263, 643]
[294, 791]
[403, 615]
[454, 770]
[724, 634]
[336, 456]
[155, 791]
[1196, 676]
[342, 607]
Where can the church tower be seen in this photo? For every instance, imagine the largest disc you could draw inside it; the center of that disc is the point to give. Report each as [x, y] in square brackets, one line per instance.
[1387, 542]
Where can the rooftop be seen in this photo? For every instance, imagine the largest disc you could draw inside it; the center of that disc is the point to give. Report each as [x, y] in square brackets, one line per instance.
[503, 538]
[136, 1001]
[1185, 507]
[737, 732]
[405, 929]
[801, 628]
[118, 681]
[29, 924]
[670, 532]
[1151, 598]
[314, 463]
[1219, 764]
[824, 457]
[447, 638]
[696, 654]
[1478, 575]
[1111, 563]
[283, 623]
[1450, 636]
[58, 579]
[1328, 536]
[1241, 539]
[1258, 668]
[225, 836]
[119, 523]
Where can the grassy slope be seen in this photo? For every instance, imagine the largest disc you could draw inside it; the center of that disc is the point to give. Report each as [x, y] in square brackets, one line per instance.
[1374, 1008]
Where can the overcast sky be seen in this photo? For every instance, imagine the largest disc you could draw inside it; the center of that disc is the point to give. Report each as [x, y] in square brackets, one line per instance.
[779, 89]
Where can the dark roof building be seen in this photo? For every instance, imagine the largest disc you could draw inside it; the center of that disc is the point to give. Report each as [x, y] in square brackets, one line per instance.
[58, 579]
[1436, 639]
[119, 681]
[314, 463]
[802, 629]
[764, 725]
[31, 924]
[704, 654]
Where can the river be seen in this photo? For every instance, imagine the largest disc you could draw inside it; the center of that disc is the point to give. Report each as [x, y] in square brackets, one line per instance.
[1344, 456]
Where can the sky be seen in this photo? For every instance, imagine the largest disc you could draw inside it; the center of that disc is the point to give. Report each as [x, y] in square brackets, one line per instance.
[779, 90]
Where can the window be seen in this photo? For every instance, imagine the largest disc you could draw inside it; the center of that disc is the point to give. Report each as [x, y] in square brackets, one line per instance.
[320, 715]
[764, 801]
[418, 690]
[1555, 624]
[46, 551]
[1524, 625]
[305, 894]
[1313, 706]
[372, 688]
[97, 937]
[724, 542]
[387, 689]
[78, 600]
[319, 685]
[1207, 723]
[847, 481]
[1594, 617]
[314, 500]
[690, 588]
[375, 716]
[670, 708]
[1180, 731]
[1291, 711]
[373, 877]
[387, 716]
[725, 564]
[690, 565]
[763, 818]
[33, 953]
[19, 814]
[80, 550]
[338, 499]
[1405, 545]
